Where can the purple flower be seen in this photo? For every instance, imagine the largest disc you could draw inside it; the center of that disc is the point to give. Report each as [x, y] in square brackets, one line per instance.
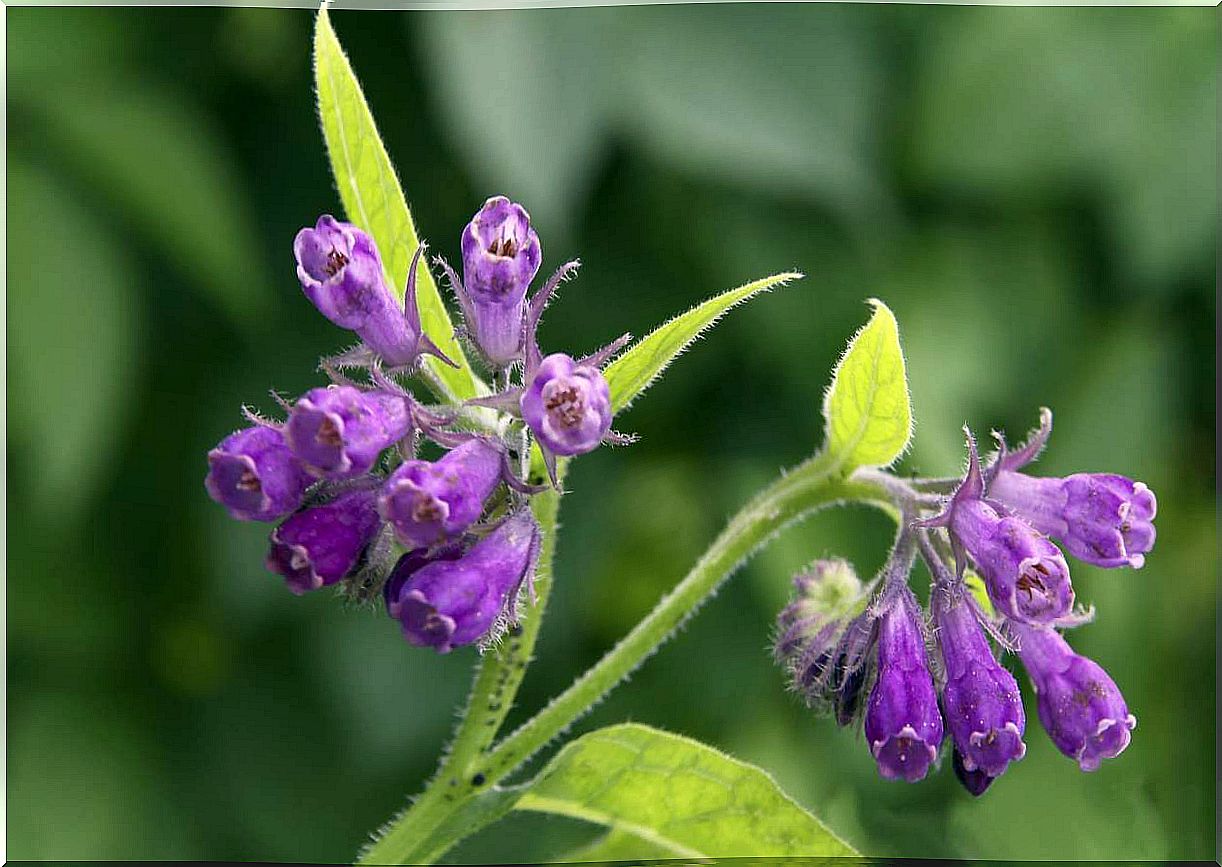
[254, 475]
[1100, 518]
[1079, 705]
[1026, 575]
[428, 501]
[339, 431]
[341, 273]
[976, 782]
[983, 707]
[903, 726]
[567, 405]
[445, 603]
[324, 544]
[501, 255]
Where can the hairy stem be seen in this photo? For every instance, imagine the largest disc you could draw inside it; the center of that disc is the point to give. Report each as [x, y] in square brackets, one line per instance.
[497, 678]
[427, 831]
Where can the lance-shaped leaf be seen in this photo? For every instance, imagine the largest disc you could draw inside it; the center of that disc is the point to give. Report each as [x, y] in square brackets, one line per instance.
[374, 201]
[867, 407]
[644, 361]
[678, 796]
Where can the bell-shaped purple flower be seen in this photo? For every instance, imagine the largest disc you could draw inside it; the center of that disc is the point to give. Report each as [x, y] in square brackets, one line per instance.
[1079, 704]
[983, 707]
[254, 475]
[429, 501]
[567, 405]
[976, 781]
[445, 603]
[501, 255]
[339, 431]
[1100, 518]
[903, 725]
[341, 273]
[324, 544]
[1026, 575]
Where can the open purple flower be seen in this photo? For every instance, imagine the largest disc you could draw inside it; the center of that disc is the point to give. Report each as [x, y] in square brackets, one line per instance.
[1100, 518]
[983, 707]
[1026, 575]
[429, 501]
[254, 475]
[1079, 704]
[567, 405]
[903, 725]
[501, 255]
[340, 271]
[446, 602]
[339, 431]
[324, 544]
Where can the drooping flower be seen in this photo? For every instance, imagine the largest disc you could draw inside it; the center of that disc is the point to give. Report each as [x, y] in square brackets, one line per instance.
[1100, 518]
[1026, 575]
[341, 272]
[1079, 704]
[339, 431]
[981, 700]
[903, 726]
[255, 475]
[323, 544]
[448, 602]
[429, 501]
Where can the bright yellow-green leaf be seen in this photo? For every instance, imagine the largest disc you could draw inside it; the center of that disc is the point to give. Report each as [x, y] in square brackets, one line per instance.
[678, 796]
[867, 407]
[636, 369]
[976, 585]
[374, 201]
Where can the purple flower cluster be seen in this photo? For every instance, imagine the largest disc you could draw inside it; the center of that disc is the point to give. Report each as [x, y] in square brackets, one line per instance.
[930, 675]
[448, 541]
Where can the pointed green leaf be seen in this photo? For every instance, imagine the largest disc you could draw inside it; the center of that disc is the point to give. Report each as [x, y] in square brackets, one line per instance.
[374, 200]
[867, 408]
[636, 369]
[677, 795]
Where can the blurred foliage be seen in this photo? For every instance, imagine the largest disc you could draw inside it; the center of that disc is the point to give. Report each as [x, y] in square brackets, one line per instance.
[1032, 191]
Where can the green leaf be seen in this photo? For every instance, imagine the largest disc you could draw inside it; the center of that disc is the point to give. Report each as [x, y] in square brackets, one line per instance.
[677, 795]
[975, 584]
[643, 363]
[618, 845]
[374, 200]
[867, 408]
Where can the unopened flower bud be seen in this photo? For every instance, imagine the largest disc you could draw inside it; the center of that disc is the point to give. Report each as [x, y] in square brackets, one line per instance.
[339, 431]
[324, 544]
[428, 501]
[903, 725]
[254, 475]
[1079, 704]
[446, 603]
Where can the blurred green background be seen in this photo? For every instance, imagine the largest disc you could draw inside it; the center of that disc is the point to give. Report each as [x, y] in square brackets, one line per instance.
[1031, 190]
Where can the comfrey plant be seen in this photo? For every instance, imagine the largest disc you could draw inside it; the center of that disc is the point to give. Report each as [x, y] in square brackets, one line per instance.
[411, 484]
